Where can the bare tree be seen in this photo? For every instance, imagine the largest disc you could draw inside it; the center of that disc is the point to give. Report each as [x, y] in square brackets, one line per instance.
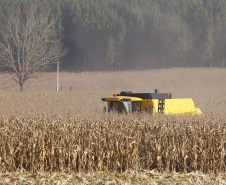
[27, 42]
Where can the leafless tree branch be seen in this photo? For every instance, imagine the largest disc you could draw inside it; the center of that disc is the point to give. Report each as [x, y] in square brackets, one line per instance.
[27, 43]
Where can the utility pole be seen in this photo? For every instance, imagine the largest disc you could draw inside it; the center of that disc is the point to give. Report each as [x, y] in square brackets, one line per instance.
[57, 87]
[223, 58]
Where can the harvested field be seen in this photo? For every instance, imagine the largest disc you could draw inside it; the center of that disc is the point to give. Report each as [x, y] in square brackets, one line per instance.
[82, 91]
[66, 132]
[129, 177]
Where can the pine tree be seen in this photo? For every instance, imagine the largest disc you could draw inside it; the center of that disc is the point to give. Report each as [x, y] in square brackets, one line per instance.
[209, 39]
[110, 52]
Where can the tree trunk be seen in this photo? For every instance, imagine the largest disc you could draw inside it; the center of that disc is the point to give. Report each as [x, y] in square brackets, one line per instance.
[211, 62]
[21, 87]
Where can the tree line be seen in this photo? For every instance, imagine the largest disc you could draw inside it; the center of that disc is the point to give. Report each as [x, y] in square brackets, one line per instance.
[135, 34]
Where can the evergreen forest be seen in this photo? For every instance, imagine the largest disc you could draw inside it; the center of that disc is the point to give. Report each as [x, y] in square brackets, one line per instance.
[135, 34]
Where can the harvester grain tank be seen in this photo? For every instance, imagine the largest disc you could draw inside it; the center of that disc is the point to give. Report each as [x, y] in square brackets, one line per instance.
[128, 102]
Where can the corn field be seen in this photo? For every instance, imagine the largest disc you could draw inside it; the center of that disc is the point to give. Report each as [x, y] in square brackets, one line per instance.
[115, 143]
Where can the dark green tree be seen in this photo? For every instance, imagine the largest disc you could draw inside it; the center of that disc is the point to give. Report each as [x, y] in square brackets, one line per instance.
[110, 52]
[209, 36]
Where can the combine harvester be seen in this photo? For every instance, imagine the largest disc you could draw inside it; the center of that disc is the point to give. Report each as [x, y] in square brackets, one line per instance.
[128, 102]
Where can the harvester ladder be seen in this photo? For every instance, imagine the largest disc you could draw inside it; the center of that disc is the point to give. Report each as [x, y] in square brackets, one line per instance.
[161, 105]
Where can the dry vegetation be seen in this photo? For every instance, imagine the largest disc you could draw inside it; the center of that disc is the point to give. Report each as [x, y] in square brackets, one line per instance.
[43, 132]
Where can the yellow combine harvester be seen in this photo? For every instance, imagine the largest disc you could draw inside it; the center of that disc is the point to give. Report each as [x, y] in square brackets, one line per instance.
[128, 102]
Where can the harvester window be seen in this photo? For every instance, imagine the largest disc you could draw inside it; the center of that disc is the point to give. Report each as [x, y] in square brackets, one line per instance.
[120, 107]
